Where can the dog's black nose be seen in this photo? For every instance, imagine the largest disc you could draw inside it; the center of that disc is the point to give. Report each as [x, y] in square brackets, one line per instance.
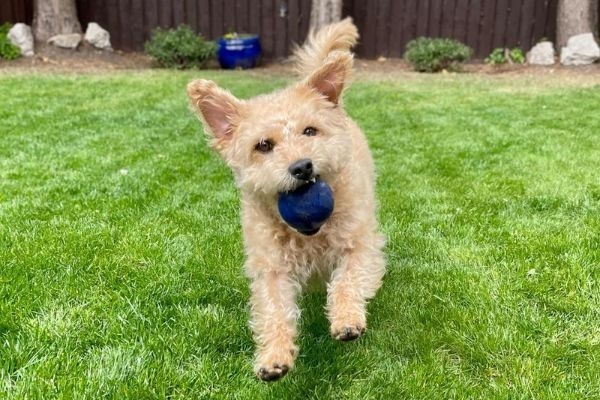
[302, 169]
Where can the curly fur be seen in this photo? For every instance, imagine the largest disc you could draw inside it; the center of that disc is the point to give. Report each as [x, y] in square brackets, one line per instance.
[347, 251]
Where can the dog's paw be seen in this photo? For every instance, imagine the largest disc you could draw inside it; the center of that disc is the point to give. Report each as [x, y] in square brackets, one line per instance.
[272, 372]
[348, 333]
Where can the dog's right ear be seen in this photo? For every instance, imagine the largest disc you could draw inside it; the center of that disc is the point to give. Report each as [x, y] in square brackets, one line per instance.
[218, 109]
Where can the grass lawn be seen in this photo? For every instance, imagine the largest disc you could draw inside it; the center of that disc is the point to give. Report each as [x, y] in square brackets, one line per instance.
[120, 247]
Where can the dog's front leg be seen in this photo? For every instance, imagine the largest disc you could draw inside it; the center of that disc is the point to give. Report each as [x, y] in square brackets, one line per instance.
[353, 282]
[274, 317]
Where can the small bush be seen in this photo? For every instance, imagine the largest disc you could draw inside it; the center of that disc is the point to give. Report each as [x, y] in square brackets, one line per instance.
[516, 55]
[179, 48]
[496, 57]
[502, 56]
[433, 55]
[8, 51]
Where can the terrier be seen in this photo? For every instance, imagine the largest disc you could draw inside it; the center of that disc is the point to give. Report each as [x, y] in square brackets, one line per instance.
[262, 140]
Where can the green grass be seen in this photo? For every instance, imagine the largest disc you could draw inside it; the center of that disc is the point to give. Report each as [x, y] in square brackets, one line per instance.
[120, 247]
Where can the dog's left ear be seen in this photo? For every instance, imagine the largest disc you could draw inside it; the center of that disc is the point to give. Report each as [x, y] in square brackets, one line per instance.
[218, 109]
[330, 79]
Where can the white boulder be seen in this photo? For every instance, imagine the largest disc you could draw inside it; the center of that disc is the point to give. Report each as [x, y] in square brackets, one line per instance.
[66, 41]
[20, 35]
[541, 54]
[580, 50]
[97, 36]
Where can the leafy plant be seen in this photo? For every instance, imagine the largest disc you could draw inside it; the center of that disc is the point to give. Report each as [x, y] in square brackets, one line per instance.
[502, 56]
[8, 51]
[496, 57]
[516, 55]
[436, 54]
[179, 48]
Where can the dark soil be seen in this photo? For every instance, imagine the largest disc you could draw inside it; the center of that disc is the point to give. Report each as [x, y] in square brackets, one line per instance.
[88, 59]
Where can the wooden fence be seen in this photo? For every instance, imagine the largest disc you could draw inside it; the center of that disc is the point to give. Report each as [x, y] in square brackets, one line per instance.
[385, 25]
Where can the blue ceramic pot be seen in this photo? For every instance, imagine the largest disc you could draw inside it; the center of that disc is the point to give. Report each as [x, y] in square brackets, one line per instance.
[240, 52]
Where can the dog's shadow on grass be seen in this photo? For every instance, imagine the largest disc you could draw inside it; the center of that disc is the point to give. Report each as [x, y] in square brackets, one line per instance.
[321, 357]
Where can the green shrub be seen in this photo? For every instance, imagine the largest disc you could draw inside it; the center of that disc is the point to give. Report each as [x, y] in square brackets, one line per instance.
[502, 56]
[8, 51]
[496, 57]
[179, 48]
[517, 56]
[436, 54]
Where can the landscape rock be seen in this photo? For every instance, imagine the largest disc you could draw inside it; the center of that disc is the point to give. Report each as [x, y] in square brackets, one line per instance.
[66, 41]
[541, 54]
[20, 35]
[97, 36]
[580, 50]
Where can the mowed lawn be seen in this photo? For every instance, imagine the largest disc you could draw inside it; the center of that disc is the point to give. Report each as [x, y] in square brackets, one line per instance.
[121, 254]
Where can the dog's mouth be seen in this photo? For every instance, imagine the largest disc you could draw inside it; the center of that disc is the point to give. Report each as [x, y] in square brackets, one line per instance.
[301, 182]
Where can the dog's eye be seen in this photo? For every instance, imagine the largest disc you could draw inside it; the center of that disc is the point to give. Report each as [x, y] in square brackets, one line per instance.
[310, 131]
[264, 146]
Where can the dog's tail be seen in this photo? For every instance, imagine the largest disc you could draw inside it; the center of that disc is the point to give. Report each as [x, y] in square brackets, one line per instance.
[340, 36]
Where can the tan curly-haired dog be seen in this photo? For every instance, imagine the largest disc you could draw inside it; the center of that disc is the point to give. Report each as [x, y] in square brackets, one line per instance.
[259, 139]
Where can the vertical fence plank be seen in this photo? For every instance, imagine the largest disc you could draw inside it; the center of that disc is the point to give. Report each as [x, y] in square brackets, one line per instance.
[459, 30]
[254, 18]
[513, 22]
[423, 12]
[294, 21]
[229, 23]
[435, 18]
[396, 34]
[216, 19]
[411, 19]
[486, 31]
[281, 37]
[500, 23]
[203, 16]
[178, 8]
[241, 16]
[527, 17]
[473, 24]
[382, 31]
[267, 29]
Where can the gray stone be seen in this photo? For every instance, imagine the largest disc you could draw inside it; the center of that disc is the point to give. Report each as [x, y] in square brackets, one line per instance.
[581, 50]
[66, 41]
[97, 36]
[20, 35]
[541, 54]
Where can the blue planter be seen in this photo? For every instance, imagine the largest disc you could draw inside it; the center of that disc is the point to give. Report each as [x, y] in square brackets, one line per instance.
[240, 52]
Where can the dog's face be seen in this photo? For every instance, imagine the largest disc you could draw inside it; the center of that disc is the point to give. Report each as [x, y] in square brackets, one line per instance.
[276, 142]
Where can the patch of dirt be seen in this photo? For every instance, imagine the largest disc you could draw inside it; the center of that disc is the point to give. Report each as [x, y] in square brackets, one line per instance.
[84, 59]
[87, 59]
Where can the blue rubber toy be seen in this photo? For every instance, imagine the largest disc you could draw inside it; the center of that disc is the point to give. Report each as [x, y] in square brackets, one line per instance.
[308, 207]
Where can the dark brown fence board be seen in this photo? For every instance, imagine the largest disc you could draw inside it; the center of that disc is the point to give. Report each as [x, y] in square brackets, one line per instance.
[267, 28]
[280, 23]
[394, 42]
[474, 24]
[229, 23]
[423, 11]
[435, 18]
[513, 24]
[526, 38]
[461, 14]
[382, 31]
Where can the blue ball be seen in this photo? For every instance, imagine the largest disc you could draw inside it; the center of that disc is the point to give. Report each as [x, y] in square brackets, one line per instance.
[307, 208]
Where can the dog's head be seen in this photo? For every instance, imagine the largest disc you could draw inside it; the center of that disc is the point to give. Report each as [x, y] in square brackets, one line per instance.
[276, 142]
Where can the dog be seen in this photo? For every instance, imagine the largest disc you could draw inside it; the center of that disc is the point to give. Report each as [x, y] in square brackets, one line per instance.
[262, 140]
